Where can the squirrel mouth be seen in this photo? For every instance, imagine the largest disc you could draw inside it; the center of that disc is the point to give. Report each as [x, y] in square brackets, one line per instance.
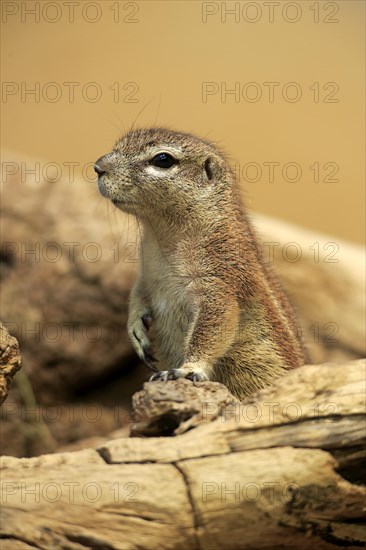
[117, 202]
[121, 204]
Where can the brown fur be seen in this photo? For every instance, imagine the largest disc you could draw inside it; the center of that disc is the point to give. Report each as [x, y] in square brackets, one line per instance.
[216, 310]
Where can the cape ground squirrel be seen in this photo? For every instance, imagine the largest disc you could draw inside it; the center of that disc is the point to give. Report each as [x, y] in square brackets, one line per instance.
[204, 297]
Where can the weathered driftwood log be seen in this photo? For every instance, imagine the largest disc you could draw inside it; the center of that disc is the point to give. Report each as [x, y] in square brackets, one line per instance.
[280, 471]
[10, 361]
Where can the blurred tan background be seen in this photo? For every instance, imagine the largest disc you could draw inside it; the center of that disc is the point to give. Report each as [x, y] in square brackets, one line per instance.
[150, 62]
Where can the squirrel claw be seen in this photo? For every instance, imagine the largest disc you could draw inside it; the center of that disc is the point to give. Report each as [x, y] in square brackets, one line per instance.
[175, 374]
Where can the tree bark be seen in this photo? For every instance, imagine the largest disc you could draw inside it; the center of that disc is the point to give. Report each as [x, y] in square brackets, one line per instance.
[282, 470]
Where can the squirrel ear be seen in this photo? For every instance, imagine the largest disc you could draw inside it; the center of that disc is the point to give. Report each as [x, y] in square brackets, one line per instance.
[213, 169]
[208, 166]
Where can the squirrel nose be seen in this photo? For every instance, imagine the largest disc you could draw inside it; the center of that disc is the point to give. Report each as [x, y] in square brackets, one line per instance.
[99, 170]
[100, 166]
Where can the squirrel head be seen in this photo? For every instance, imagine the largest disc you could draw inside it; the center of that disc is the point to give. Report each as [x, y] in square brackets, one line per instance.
[157, 172]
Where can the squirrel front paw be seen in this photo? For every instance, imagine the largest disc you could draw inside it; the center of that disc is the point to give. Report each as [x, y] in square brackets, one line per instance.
[137, 330]
[191, 371]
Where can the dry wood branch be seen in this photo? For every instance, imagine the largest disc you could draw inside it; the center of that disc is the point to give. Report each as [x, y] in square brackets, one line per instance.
[280, 471]
[10, 361]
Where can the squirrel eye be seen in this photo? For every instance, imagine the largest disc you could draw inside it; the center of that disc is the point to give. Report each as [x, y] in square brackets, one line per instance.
[163, 160]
